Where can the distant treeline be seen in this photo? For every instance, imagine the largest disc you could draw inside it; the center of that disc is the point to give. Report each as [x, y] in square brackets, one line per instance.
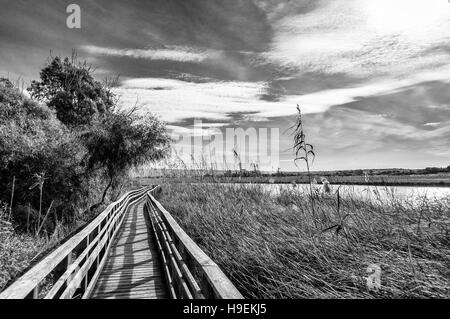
[168, 173]
[361, 172]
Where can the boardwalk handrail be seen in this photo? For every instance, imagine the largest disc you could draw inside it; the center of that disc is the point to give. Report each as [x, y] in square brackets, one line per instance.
[73, 268]
[189, 272]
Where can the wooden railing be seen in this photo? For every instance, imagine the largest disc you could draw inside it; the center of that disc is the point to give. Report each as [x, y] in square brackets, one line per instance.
[73, 268]
[189, 272]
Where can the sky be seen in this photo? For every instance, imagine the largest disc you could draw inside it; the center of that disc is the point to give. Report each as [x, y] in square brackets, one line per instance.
[372, 77]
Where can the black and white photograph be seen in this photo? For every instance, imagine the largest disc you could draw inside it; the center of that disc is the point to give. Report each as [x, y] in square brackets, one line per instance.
[243, 150]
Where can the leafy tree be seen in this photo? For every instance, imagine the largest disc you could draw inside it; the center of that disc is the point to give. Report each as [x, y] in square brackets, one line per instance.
[115, 140]
[68, 87]
[121, 140]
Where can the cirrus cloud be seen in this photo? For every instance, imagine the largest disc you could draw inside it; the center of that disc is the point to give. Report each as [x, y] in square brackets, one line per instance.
[168, 53]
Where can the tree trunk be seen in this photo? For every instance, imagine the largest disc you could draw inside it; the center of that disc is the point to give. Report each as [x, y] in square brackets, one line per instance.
[105, 192]
[106, 189]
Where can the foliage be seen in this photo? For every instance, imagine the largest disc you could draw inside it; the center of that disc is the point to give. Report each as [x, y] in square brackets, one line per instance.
[33, 142]
[122, 140]
[68, 87]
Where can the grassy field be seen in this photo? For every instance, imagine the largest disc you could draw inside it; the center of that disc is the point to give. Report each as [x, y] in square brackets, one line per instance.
[285, 246]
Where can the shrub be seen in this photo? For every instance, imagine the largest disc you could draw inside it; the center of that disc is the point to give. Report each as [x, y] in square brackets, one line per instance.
[33, 141]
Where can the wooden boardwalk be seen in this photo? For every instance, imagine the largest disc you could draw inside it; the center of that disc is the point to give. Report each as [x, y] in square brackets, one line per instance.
[132, 269]
[134, 249]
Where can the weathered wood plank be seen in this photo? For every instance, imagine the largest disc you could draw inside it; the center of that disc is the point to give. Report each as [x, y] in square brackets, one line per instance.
[157, 294]
[132, 269]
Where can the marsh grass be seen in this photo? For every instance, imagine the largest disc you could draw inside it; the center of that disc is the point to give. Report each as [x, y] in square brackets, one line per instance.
[16, 251]
[270, 247]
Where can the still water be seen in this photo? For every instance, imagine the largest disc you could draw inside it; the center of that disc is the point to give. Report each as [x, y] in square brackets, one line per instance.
[371, 192]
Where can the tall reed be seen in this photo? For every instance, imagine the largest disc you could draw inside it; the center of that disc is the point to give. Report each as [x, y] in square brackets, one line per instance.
[304, 152]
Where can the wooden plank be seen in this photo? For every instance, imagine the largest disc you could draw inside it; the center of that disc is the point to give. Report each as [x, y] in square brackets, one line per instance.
[130, 290]
[118, 285]
[132, 269]
[116, 267]
[130, 280]
[156, 294]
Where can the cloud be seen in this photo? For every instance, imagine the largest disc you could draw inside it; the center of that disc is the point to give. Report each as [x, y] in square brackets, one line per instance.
[181, 99]
[347, 36]
[347, 138]
[176, 100]
[170, 53]
[435, 124]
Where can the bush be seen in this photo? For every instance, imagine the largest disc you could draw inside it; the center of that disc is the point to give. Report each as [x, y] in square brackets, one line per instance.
[33, 142]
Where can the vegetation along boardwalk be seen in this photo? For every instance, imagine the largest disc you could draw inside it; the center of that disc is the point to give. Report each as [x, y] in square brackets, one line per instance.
[134, 249]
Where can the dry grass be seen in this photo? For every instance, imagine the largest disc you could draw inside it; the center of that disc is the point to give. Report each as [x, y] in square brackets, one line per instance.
[16, 251]
[270, 248]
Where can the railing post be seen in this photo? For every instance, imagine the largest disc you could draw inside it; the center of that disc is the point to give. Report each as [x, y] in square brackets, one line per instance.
[206, 288]
[98, 254]
[62, 267]
[85, 280]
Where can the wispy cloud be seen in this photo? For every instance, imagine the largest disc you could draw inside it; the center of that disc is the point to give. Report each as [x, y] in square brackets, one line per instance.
[169, 53]
[363, 37]
[433, 124]
[176, 100]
